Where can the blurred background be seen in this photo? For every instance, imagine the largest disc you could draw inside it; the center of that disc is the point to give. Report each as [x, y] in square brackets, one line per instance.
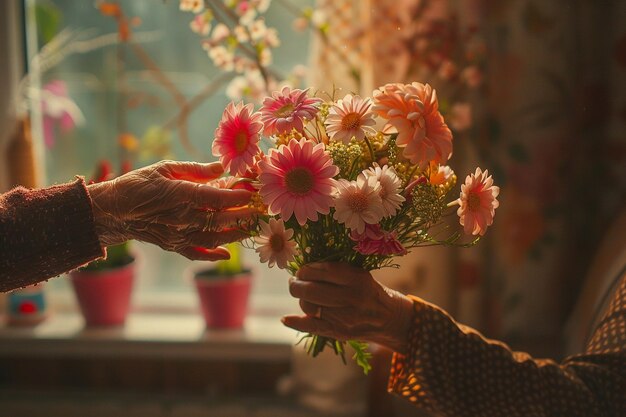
[534, 91]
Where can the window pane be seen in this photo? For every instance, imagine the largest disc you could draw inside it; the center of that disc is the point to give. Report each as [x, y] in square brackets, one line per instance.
[105, 100]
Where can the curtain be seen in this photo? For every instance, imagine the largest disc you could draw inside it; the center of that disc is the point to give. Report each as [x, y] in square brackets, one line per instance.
[10, 73]
[535, 91]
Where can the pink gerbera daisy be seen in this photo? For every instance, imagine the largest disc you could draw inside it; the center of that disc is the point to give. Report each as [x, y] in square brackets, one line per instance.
[350, 118]
[237, 138]
[275, 244]
[297, 179]
[358, 203]
[287, 110]
[478, 203]
[412, 109]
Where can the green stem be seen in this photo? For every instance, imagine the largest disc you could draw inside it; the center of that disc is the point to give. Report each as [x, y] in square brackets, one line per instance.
[371, 149]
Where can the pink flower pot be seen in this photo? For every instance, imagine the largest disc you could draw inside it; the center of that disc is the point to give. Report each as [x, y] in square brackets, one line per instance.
[223, 300]
[104, 296]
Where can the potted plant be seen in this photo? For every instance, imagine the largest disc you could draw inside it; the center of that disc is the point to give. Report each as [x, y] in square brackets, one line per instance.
[223, 289]
[103, 288]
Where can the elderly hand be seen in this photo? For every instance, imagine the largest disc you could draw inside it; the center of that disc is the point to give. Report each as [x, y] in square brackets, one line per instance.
[171, 205]
[347, 303]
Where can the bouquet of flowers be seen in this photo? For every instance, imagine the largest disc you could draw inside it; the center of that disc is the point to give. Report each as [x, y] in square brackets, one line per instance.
[355, 180]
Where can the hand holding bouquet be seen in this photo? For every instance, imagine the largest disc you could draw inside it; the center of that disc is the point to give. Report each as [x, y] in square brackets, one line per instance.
[354, 180]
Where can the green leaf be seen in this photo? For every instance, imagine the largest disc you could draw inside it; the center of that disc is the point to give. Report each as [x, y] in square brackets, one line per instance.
[314, 345]
[118, 255]
[48, 18]
[234, 265]
[156, 143]
[361, 355]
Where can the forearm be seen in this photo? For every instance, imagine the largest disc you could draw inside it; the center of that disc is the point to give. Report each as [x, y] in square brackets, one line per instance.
[394, 332]
[44, 233]
[452, 370]
[108, 227]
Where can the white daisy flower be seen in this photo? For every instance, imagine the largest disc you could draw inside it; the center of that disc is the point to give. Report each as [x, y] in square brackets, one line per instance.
[358, 203]
[390, 187]
[274, 243]
[350, 117]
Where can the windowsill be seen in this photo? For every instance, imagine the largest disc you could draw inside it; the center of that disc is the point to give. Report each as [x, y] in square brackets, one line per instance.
[148, 333]
[165, 319]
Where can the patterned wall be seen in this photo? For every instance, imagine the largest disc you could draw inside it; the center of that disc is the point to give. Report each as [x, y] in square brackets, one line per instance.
[546, 86]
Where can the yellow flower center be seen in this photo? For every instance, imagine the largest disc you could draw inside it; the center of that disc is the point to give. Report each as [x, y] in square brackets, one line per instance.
[277, 243]
[284, 111]
[351, 121]
[358, 202]
[473, 201]
[299, 181]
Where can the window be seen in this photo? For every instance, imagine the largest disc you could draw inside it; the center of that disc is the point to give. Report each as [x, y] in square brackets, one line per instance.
[120, 101]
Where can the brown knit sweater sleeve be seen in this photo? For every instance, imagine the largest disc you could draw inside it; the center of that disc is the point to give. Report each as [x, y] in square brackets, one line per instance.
[452, 370]
[44, 233]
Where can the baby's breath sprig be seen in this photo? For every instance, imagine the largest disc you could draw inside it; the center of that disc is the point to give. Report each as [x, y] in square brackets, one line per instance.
[346, 157]
[256, 202]
[323, 113]
[427, 203]
[446, 187]
[393, 149]
[378, 141]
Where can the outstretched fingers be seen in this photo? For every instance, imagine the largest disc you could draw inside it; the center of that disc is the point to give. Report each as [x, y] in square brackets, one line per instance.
[319, 293]
[195, 253]
[234, 217]
[211, 240]
[309, 324]
[192, 218]
[196, 245]
[192, 171]
[206, 197]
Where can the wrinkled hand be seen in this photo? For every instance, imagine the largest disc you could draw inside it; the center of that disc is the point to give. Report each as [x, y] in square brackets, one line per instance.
[170, 205]
[347, 303]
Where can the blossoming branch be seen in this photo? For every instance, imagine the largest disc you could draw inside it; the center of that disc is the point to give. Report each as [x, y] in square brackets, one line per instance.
[237, 39]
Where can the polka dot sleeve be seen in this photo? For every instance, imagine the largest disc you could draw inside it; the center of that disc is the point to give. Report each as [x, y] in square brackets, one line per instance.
[452, 370]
